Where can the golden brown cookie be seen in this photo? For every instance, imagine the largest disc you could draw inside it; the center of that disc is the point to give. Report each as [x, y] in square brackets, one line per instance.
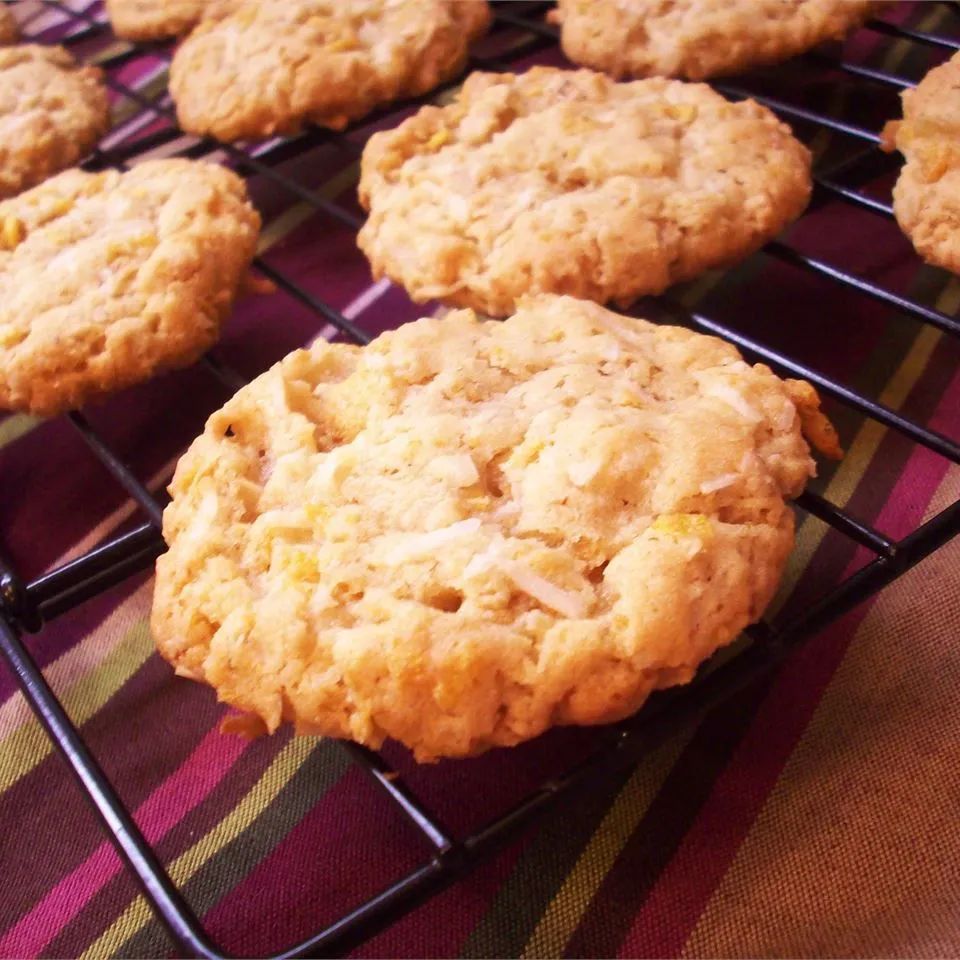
[926, 198]
[9, 31]
[468, 532]
[154, 19]
[108, 278]
[52, 112]
[697, 39]
[254, 68]
[566, 182]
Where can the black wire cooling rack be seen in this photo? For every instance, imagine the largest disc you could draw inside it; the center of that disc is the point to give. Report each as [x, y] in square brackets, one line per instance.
[519, 32]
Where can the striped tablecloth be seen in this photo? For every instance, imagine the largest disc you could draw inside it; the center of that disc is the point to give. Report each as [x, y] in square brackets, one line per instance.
[816, 814]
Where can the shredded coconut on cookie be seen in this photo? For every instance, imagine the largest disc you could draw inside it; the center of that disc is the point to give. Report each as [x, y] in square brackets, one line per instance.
[697, 39]
[108, 278]
[926, 197]
[559, 181]
[324, 571]
[255, 68]
[52, 113]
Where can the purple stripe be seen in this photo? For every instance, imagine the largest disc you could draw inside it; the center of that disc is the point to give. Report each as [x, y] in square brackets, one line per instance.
[108, 903]
[64, 633]
[190, 784]
[359, 844]
[142, 736]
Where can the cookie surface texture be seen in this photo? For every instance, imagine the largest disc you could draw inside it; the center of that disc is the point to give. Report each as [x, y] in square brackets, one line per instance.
[108, 278]
[154, 19]
[696, 39]
[256, 68]
[470, 531]
[52, 112]
[559, 181]
[9, 31]
[926, 197]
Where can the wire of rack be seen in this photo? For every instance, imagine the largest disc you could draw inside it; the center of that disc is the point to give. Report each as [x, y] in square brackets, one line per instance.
[25, 606]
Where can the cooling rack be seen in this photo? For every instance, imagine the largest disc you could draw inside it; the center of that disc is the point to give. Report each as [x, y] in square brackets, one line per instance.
[845, 175]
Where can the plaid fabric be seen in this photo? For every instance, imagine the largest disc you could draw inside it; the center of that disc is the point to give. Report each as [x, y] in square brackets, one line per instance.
[815, 814]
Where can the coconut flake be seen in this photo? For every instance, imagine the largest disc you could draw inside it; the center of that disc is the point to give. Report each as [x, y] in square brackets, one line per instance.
[571, 605]
[458, 208]
[422, 543]
[375, 361]
[786, 417]
[718, 483]
[203, 518]
[482, 562]
[459, 469]
[281, 520]
[333, 468]
[627, 336]
[583, 472]
[732, 398]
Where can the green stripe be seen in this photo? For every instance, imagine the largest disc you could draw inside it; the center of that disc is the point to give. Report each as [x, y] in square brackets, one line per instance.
[16, 426]
[246, 811]
[547, 859]
[126, 107]
[894, 343]
[285, 223]
[539, 874]
[114, 895]
[573, 900]
[325, 765]
[27, 746]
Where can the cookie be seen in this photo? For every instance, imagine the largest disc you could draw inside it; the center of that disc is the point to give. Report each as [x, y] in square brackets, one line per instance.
[926, 197]
[154, 19]
[255, 68]
[470, 531]
[108, 278]
[566, 182]
[697, 39]
[52, 112]
[9, 31]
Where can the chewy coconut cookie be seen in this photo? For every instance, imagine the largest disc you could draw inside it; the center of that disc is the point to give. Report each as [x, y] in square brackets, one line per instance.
[255, 68]
[9, 31]
[154, 19]
[926, 198]
[52, 112]
[566, 182]
[697, 39]
[107, 278]
[468, 531]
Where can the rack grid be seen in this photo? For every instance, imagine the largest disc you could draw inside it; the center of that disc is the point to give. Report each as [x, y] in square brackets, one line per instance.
[519, 32]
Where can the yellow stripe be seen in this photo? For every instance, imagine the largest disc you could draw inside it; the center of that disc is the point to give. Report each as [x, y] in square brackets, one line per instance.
[824, 136]
[571, 901]
[299, 213]
[266, 789]
[127, 108]
[898, 50]
[81, 659]
[28, 745]
[566, 909]
[868, 439]
[16, 426]
[855, 848]
[694, 291]
[115, 49]
[851, 470]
